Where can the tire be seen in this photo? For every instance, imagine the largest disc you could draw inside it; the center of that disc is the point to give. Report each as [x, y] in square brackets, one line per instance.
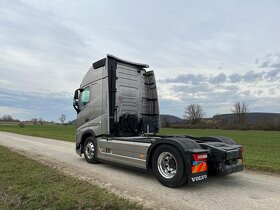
[90, 150]
[168, 166]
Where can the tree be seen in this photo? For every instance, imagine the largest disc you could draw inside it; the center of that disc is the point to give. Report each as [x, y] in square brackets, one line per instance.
[194, 113]
[165, 123]
[7, 118]
[239, 110]
[41, 121]
[34, 121]
[62, 118]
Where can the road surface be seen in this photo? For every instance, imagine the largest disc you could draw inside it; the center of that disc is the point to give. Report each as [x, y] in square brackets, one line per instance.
[244, 190]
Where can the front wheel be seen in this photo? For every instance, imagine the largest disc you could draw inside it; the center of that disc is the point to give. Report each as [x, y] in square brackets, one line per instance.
[90, 150]
[168, 166]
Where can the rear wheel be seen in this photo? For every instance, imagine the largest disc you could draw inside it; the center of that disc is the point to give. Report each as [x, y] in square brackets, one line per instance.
[168, 166]
[90, 151]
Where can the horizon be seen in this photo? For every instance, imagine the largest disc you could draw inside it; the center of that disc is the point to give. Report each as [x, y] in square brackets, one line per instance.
[181, 118]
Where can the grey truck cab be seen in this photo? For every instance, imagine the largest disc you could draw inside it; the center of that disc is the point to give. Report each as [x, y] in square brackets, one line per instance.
[118, 118]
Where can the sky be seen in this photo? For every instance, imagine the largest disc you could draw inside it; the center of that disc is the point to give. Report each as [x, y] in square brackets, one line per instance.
[213, 53]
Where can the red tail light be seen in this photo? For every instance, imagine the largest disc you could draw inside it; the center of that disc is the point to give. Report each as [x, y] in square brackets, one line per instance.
[200, 157]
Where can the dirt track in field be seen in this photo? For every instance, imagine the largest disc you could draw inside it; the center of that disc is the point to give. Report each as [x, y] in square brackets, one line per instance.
[245, 190]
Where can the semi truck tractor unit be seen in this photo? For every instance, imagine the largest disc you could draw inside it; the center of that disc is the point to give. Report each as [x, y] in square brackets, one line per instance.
[118, 121]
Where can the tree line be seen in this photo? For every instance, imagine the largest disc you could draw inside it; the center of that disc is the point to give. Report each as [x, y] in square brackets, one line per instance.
[194, 118]
[194, 113]
[34, 121]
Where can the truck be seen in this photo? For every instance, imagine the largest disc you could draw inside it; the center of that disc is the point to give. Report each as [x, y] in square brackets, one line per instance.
[118, 121]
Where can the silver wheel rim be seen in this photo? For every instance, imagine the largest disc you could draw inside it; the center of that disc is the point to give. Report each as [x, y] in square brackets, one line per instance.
[167, 165]
[89, 150]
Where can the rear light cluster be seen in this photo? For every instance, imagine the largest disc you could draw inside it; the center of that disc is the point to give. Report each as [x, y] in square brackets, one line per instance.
[199, 163]
[200, 157]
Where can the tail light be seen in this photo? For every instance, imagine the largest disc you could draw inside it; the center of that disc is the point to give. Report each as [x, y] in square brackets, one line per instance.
[199, 163]
[200, 157]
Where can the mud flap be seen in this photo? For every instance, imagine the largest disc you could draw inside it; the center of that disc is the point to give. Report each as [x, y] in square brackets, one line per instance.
[197, 177]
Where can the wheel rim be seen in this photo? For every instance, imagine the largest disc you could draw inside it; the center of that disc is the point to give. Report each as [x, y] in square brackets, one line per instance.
[89, 150]
[167, 165]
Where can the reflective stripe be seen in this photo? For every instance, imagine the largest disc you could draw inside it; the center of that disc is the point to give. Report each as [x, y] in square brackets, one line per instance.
[199, 168]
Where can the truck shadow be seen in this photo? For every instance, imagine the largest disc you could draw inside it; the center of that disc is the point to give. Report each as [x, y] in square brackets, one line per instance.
[230, 181]
[120, 168]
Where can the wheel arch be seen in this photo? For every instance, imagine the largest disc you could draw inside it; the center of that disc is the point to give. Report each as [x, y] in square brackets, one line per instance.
[184, 146]
[85, 135]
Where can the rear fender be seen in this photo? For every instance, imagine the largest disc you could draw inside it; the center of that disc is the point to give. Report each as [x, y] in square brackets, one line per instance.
[184, 145]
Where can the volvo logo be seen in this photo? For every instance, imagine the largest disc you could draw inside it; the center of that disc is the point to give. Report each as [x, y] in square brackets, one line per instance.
[199, 178]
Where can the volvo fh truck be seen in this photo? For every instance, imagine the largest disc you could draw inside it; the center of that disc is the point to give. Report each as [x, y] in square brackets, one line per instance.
[118, 121]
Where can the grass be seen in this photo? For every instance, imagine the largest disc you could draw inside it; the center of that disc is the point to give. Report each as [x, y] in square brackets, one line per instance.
[27, 184]
[262, 148]
[62, 132]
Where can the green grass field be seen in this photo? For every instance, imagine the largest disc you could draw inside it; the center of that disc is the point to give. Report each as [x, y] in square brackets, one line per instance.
[27, 184]
[62, 132]
[262, 148]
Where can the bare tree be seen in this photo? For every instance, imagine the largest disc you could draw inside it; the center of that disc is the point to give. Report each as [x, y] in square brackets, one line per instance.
[62, 118]
[239, 110]
[165, 122]
[7, 118]
[41, 121]
[34, 121]
[194, 113]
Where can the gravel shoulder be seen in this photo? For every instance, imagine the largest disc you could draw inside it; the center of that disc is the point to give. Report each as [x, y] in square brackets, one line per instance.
[245, 190]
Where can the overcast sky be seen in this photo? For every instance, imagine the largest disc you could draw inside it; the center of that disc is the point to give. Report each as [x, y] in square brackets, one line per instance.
[214, 53]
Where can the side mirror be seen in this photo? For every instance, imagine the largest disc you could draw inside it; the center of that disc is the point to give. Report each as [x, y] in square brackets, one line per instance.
[76, 100]
[76, 94]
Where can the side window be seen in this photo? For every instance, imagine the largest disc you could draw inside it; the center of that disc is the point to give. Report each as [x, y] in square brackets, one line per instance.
[84, 98]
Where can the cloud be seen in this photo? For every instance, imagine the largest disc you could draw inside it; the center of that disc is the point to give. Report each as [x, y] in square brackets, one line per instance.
[248, 77]
[273, 75]
[252, 76]
[220, 78]
[14, 112]
[218, 93]
[235, 77]
[185, 78]
[270, 61]
[26, 105]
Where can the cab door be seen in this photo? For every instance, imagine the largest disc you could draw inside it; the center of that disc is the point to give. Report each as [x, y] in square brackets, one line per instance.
[84, 114]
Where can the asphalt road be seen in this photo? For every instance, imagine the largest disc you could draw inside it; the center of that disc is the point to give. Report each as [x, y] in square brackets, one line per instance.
[244, 190]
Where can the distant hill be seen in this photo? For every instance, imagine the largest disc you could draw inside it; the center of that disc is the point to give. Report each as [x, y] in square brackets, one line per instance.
[251, 118]
[170, 118]
[73, 122]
